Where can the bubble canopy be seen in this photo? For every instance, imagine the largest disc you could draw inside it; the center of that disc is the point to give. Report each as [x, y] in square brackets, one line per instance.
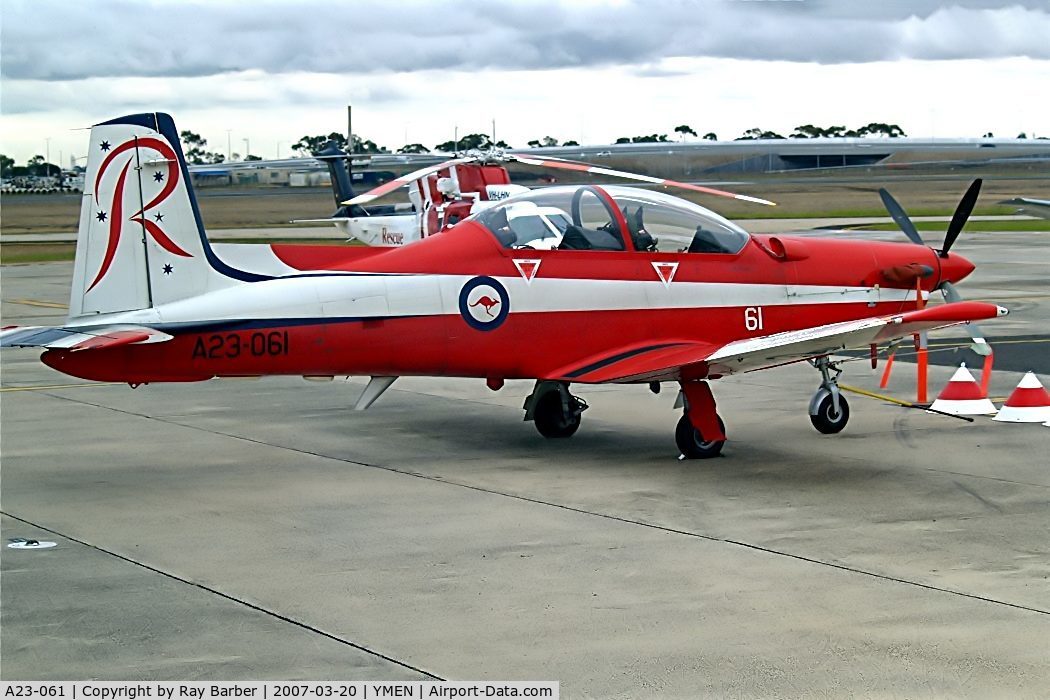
[589, 217]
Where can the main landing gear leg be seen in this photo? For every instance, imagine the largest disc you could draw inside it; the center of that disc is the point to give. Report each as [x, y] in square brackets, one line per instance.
[828, 409]
[555, 411]
[700, 433]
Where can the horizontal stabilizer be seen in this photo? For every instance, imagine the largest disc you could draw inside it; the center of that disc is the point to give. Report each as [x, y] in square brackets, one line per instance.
[328, 220]
[79, 338]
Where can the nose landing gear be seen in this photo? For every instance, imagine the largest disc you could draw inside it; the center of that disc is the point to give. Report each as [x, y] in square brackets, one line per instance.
[828, 409]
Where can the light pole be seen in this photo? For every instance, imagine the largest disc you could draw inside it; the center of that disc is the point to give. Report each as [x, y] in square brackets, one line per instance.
[247, 148]
[279, 149]
[229, 150]
[47, 157]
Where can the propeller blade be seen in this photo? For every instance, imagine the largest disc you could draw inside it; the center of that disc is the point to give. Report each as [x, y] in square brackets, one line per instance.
[980, 345]
[404, 180]
[900, 216]
[962, 213]
[559, 163]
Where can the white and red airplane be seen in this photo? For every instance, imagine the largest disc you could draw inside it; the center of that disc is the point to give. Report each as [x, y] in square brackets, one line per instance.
[563, 285]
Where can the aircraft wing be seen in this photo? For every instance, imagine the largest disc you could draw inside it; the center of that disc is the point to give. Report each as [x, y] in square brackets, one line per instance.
[672, 360]
[1032, 207]
[78, 338]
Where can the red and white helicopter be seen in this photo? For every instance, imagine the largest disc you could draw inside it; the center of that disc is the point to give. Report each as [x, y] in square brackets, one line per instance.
[563, 285]
[444, 194]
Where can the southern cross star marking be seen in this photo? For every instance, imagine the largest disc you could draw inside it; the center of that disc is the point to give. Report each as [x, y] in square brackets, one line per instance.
[158, 216]
[168, 269]
[104, 145]
[158, 176]
[101, 216]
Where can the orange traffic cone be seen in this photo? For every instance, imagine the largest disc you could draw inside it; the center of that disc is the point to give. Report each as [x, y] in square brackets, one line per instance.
[963, 396]
[1028, 404]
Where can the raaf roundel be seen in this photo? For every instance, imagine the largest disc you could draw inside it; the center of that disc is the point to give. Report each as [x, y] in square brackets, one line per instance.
[563, 285]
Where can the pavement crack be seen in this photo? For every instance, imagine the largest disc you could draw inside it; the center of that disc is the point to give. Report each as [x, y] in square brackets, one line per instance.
[981, 499]
[232, 598]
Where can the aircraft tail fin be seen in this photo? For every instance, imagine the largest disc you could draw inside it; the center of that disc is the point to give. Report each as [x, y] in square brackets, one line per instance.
[141, 242]
[338, 162]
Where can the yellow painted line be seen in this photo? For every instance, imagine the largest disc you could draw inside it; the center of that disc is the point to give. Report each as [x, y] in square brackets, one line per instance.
[906, 404]
[34, 302]
[873, 395]
[942, 347]
[42, 387]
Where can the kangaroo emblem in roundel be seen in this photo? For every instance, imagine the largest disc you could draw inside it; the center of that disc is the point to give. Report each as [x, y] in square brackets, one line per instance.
[484, 303]
[488, 302]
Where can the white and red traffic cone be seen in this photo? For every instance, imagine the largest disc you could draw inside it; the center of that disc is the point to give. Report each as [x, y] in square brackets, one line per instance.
[1029, 403]
[963, 396]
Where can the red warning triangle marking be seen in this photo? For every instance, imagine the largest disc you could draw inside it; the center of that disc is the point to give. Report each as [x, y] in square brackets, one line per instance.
[665, 271]
[528, 269]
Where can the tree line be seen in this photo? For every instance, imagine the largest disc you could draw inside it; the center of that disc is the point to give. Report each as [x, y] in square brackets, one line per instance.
[35, 167]
[311, 144]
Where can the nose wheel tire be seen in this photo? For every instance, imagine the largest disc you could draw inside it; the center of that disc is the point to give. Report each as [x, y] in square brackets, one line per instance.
[551, 419]
[826, 419]
[692, 444]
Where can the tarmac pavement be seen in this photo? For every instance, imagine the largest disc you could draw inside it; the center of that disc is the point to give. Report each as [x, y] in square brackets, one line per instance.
[263, 530]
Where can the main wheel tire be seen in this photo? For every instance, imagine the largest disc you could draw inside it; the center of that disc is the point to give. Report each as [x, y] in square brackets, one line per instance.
[550, 418]
[692, 444]
[826, 420]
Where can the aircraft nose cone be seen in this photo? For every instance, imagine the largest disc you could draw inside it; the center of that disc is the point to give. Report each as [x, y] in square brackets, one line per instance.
[955, 268]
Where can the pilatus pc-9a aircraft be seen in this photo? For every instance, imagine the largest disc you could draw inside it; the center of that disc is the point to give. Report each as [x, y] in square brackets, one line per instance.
[564, 285]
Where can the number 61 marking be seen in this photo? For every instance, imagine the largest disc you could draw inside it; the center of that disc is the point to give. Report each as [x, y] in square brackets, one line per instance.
[753, 318]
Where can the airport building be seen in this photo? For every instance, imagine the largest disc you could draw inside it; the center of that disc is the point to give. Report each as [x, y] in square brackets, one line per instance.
[708, 160]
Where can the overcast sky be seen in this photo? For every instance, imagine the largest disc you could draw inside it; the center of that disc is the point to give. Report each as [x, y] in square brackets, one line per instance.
[592, 71]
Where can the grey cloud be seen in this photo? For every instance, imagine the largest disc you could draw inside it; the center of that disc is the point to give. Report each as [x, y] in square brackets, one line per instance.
[58, 41]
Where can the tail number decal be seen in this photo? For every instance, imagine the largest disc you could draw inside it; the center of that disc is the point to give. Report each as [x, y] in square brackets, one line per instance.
[220, 346]
[753, 318]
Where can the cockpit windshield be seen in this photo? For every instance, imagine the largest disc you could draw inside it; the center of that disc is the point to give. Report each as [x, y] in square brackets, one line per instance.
[582, 218]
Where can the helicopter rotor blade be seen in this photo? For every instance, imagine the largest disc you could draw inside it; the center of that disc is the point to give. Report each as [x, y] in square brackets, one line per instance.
[962, 213]
[559, 163]
[546, 162]
[397, 182]
[900, 216]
